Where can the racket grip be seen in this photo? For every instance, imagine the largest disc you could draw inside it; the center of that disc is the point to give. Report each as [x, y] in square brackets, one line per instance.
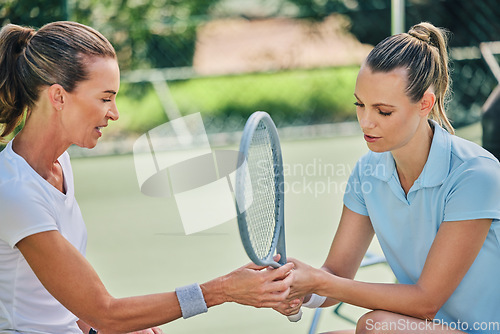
[295, 317]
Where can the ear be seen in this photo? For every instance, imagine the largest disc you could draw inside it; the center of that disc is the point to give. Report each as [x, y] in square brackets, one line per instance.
[427, 102]
[57, 96]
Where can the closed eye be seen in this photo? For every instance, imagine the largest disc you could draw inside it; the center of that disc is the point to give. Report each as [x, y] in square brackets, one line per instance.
[361, 105]
[384, 113]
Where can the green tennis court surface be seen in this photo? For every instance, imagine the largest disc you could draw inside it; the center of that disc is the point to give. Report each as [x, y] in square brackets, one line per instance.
[137, 244]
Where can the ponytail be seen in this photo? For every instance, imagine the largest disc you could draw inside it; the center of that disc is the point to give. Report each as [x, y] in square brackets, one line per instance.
[423, 52]
[13, 42]
[437, 38]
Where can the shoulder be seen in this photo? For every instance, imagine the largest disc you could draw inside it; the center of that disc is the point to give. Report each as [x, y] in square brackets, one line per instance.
[472, 165]
[25, 205]
[16, 179]
[25, 211]
[21, 195]
[464, 150]
[469, 157]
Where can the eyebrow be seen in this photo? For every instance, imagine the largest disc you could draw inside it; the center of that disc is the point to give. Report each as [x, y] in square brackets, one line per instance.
[380, 104]
[110, 92]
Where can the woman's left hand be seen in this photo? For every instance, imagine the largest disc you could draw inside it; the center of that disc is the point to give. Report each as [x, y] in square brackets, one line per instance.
[304, 280]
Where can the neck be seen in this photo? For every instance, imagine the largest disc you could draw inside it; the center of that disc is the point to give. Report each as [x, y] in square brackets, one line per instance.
[411, 158]
[39, 142]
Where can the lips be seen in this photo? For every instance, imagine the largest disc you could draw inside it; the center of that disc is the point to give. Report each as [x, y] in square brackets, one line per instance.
[371, 139]
[99, 129]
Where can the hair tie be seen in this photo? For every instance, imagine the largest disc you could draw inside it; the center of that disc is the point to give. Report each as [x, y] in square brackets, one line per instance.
[25, 37]
[426, 38]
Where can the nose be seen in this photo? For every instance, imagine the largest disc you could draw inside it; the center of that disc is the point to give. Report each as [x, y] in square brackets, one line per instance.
[365, 119]
[113, 113]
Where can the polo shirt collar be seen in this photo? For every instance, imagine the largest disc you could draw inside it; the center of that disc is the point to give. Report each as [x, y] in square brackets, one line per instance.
[385, 166]
[436, 168]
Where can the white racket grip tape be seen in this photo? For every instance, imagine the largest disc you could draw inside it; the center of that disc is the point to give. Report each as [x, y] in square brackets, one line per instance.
[295, 317]
[315, 301]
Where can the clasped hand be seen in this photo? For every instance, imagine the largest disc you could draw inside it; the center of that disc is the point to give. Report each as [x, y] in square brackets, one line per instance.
[300, 289]
[259, 286]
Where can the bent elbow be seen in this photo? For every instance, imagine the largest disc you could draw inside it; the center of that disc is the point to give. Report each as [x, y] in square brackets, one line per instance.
[428, 311]
[105, 325]
[102, 317]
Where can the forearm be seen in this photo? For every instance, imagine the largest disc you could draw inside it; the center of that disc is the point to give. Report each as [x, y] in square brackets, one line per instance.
[329, 301]
[122, 315]
[248, 285]
[134, 313]
[399, 298]
[446, 264]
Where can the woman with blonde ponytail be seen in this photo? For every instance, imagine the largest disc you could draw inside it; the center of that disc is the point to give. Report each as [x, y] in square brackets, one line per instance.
[63, 80]
[431, 198]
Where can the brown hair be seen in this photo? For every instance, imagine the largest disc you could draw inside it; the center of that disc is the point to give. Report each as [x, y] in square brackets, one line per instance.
[423, 52]
[29, 59]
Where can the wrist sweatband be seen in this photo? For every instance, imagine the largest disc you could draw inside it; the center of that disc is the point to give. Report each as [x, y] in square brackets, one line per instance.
[315, 301]
[191, 300]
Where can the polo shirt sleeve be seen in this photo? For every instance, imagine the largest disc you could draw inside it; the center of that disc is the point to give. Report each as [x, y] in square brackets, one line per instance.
[475, 194]
[22, 215]
[353, 197]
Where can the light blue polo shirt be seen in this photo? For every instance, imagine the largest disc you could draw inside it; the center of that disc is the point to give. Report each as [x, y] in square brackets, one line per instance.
[460, 181]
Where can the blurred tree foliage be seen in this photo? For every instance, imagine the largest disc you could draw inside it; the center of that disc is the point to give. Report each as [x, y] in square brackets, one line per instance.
[471, 22]
[162, 33]
[145, 33]
[30, 13]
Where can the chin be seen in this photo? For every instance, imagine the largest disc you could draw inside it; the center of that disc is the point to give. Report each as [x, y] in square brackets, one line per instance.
[376, 149]
[87, 145]
[92, 144]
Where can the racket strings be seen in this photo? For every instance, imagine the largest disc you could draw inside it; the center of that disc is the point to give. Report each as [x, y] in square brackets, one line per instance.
[261, 215]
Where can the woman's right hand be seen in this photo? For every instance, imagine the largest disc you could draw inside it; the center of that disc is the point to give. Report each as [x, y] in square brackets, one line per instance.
[258, 286]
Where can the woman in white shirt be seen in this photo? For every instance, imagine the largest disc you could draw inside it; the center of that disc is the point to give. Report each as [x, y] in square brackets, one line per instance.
[64, 79]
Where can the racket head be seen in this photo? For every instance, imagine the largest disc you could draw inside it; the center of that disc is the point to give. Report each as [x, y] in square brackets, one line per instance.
[259, 191]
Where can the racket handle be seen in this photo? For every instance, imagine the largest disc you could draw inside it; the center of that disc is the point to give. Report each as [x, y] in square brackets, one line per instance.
[295, 317]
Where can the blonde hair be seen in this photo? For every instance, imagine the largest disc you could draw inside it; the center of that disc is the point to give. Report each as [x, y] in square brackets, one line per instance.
[423, 53]
[30, 59]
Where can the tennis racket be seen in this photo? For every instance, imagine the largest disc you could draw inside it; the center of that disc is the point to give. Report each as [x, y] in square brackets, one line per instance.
[259, 193]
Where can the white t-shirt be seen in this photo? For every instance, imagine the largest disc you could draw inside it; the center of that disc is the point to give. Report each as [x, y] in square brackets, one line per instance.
[30, 205]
